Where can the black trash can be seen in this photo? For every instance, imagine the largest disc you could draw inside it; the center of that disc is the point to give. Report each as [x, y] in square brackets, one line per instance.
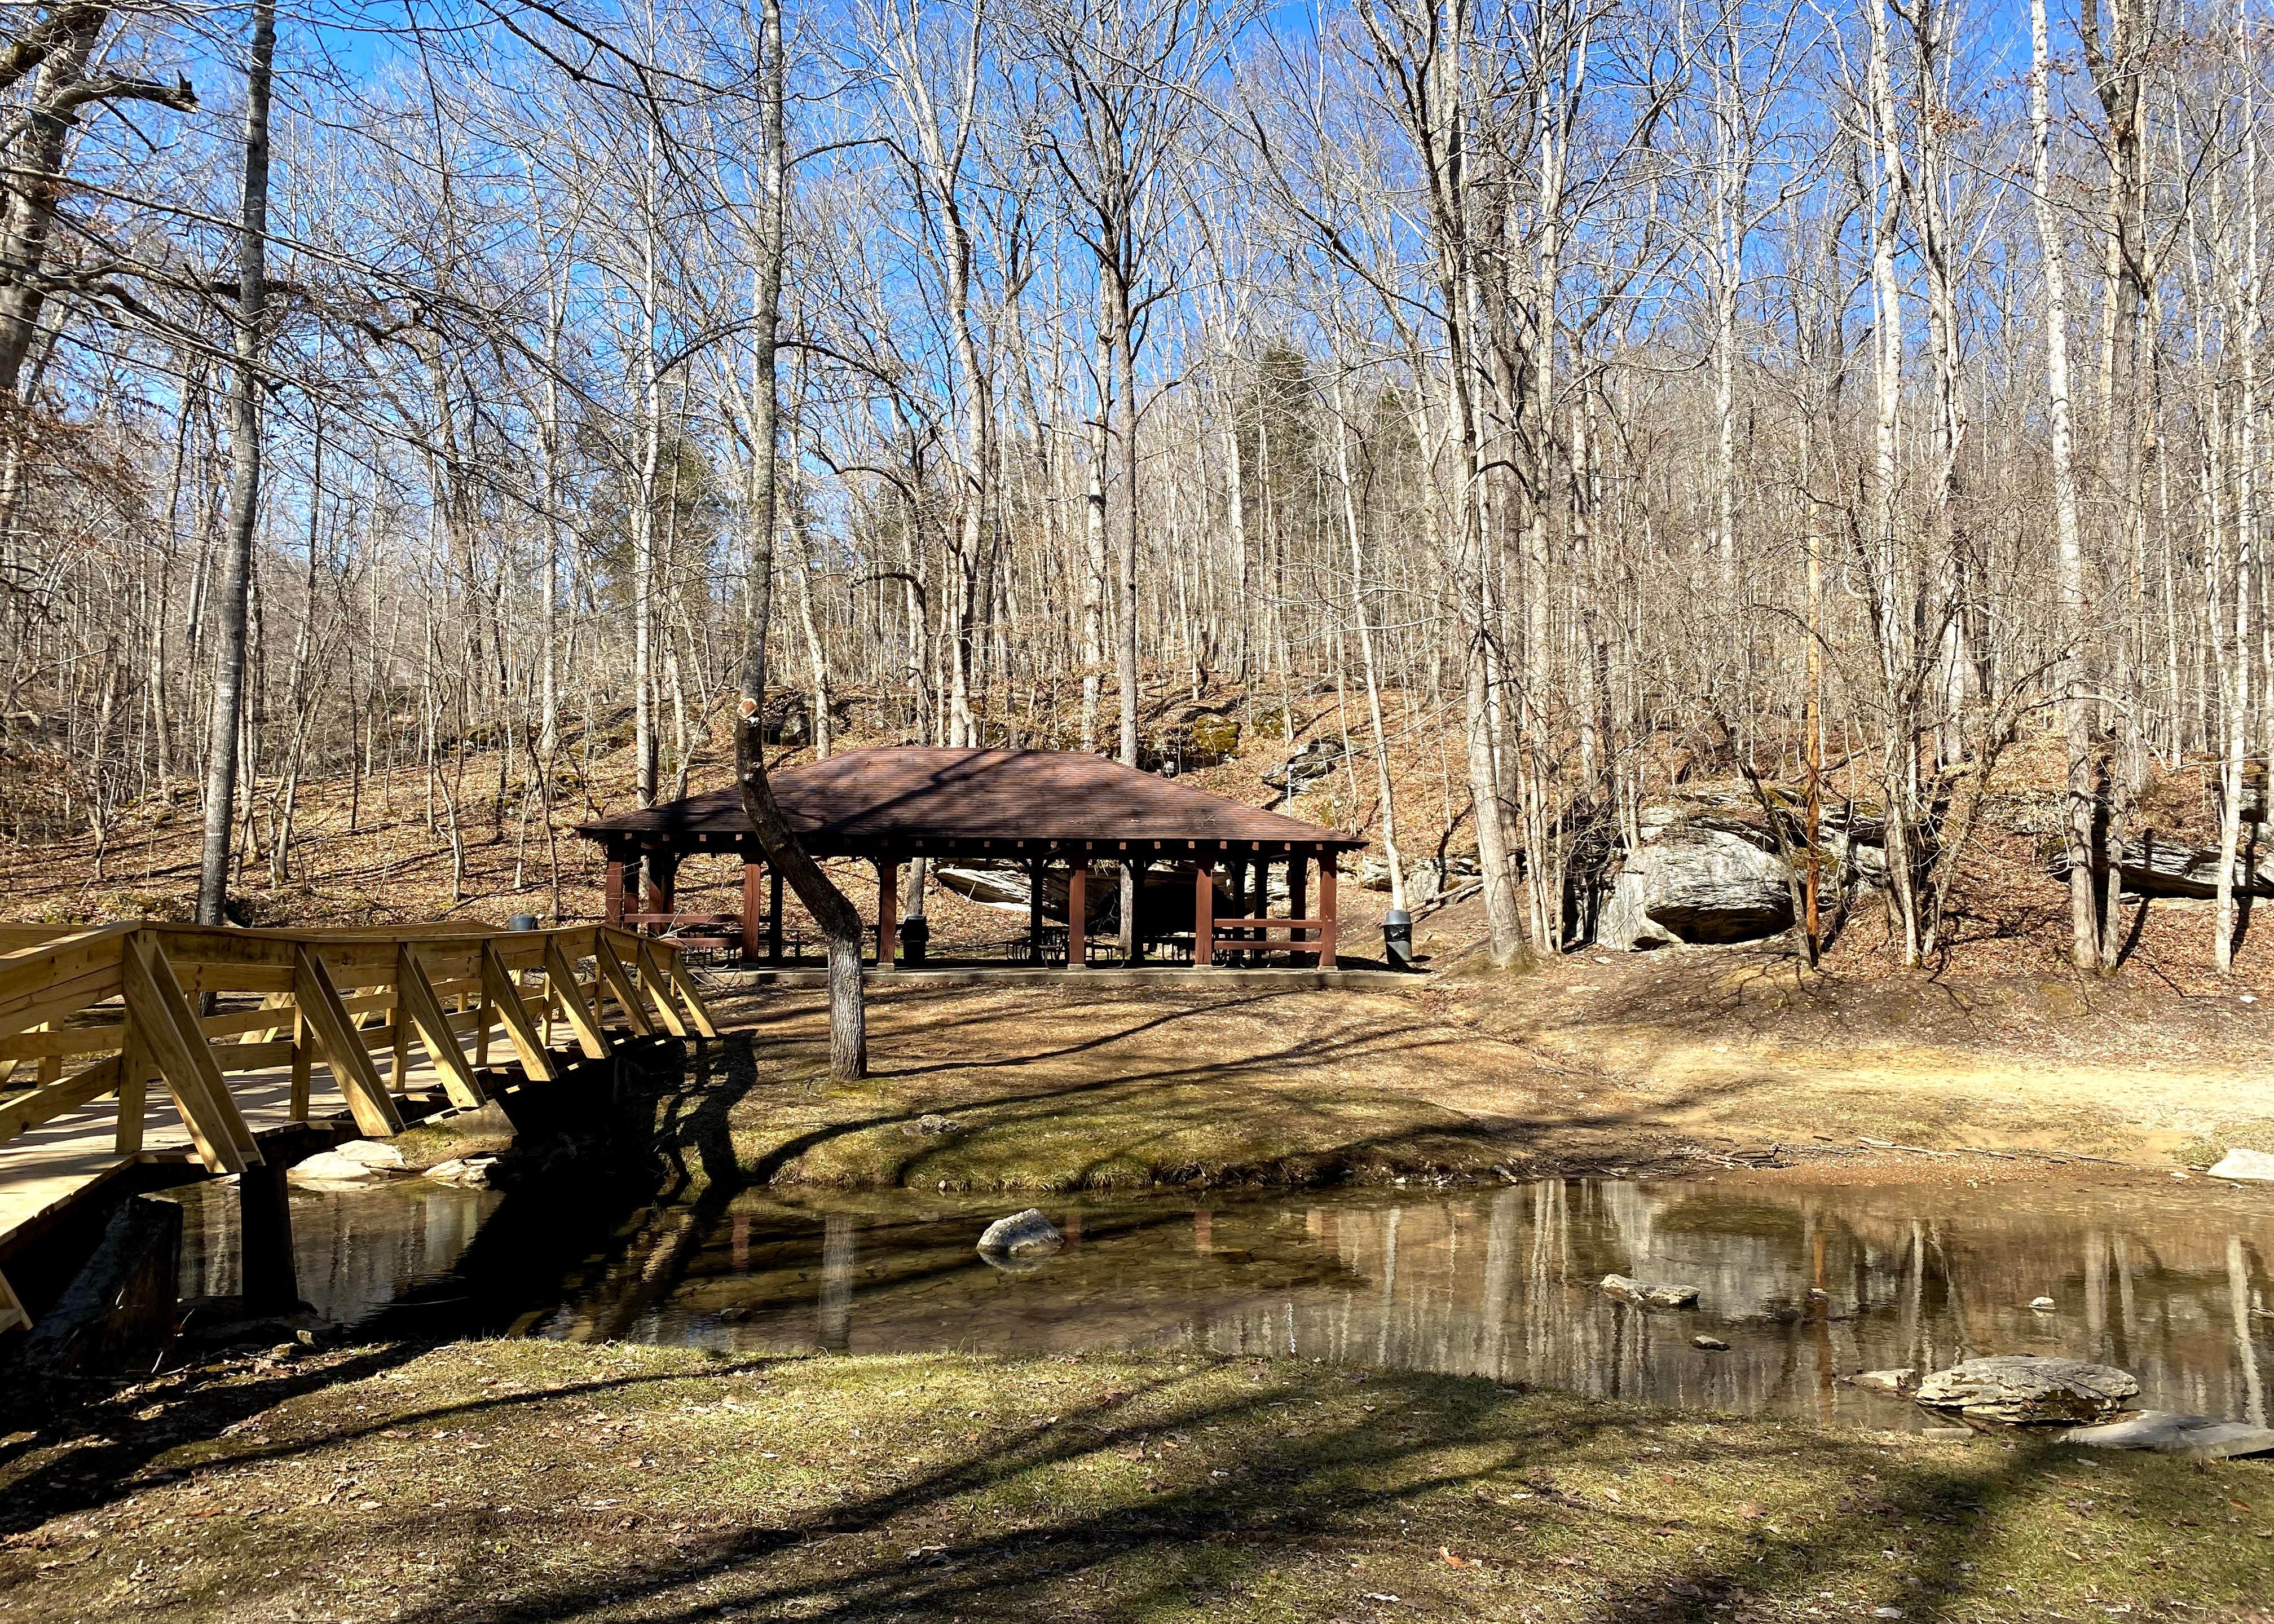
[522, 921]
[915, 935]
[1398, 939]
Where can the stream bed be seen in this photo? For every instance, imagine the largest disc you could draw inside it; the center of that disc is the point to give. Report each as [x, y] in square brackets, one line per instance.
[1807, 1284]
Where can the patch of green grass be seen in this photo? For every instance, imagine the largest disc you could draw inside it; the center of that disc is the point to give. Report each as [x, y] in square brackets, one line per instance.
[1098, 1136]
[2209, 1148]
[454, 1134]
[530, 1480]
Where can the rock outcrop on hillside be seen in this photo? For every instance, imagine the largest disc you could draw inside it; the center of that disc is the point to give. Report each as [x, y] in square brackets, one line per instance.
[2159, 866]
[1700, 879]
[1712, 873]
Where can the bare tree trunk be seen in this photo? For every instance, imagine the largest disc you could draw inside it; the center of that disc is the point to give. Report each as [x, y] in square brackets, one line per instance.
[2077, 705]
[840, 925]
[244, 477]
[2246, 519]
[1353, 530]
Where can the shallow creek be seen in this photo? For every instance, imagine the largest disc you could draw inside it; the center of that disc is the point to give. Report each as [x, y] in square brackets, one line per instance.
[1806, 1283]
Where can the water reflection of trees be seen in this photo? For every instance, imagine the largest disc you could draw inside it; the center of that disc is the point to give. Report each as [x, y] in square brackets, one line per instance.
[1502, 1287]
[1806, 1285]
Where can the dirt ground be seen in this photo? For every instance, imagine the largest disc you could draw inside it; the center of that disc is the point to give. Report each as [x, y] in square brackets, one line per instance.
[1600, 1061]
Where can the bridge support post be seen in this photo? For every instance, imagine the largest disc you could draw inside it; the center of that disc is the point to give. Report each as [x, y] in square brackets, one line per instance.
[271, 1279]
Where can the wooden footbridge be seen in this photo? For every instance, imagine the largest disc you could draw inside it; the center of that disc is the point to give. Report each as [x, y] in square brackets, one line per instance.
[246, 1031]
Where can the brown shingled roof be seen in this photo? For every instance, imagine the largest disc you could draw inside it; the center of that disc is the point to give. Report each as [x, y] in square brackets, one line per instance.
[902, 802]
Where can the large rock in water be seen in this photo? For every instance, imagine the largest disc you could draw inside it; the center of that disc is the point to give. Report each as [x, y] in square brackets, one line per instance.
[1648, 1293]
[1699, 880]
[1022, 1234]
[2026, 1387]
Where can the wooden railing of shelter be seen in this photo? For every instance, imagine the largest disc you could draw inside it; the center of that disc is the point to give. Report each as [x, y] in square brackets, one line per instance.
[109, 1011]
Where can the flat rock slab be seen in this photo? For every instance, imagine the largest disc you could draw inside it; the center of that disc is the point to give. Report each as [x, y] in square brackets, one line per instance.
[1887, 1380]
[2167, 1432]
[2029, 1387]
[1022, 1234]
[2254, 1164]
[332, 1167]
[471, 1172]
[1648, 1293]
[371, 1153]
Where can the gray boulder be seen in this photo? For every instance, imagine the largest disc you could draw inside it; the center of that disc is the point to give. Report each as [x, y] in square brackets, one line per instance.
[1022, 1234]
[1424, 882]
[2166, 1433]
[2029, 1387]
[2254, 1164]
[2156, 866]
[1697, 880]
[1648, 1293]
[1315, 761]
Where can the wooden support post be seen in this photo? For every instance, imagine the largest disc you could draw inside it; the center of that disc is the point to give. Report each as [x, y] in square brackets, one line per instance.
[616, 981]
[698, 1013]
[773, 915]
[267, 1275]
[888, 913]
[1327, 911]
[1131, 928]
[662, 881]
[1204, 917]
[1299, 897]
[11, 1308]
[302, 1054]
[1077, 915]
[134, 1070]
[753, 899]
[1036, 871]
[613, 889]
[416, 1006]
[657, 986]
[338, 1039]
[499, 987]
[398, 1070]
[583, 1020]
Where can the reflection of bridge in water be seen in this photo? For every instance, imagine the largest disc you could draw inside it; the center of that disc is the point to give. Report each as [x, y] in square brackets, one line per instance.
[2174, 1288]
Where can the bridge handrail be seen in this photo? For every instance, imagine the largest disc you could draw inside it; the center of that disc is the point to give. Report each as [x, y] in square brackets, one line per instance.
[125, 1000]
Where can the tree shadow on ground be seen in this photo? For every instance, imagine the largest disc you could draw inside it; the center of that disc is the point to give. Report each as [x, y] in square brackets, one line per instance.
[1276, 1074]
[1009, 1531]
